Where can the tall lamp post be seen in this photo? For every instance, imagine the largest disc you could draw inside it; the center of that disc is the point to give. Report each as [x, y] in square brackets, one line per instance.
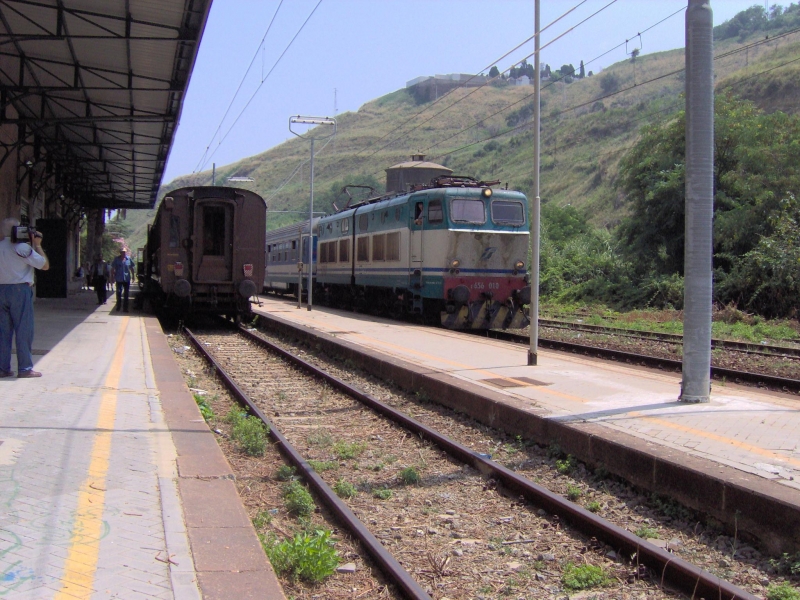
[298, 120]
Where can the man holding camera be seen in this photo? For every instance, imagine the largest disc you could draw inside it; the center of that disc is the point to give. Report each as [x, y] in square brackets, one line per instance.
[20, 253]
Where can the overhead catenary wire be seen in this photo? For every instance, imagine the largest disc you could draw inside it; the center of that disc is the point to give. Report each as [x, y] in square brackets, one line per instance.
[477, 89]
[241, 83]
[577, 106]
[447, 94]
[239, 116]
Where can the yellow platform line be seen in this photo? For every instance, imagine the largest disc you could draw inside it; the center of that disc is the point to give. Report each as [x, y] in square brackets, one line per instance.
[84, 544]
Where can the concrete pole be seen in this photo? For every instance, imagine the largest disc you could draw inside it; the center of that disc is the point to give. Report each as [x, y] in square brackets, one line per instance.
[696, 384]
[535, 210]
[311, 230]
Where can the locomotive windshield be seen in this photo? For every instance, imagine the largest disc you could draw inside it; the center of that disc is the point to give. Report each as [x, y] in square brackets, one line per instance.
[465, 210]
[508, 212]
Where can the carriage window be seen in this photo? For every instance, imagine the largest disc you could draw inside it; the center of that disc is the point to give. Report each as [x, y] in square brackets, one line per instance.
[363, 249]
[397, 214]
[344, 250]
[363, 223]
[323, 253]
[505, 211]
[393, 246]
[332, 252]
[345, 225]
[378, 245]
[468, 211]
[174, 231]
[435, 211]
[214, 230]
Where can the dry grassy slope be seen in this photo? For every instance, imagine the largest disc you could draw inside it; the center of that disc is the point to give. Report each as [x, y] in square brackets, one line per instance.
[584, 134]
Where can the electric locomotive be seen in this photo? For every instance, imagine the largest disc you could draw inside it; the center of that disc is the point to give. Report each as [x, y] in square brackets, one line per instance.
[205, 251]
[454, 249]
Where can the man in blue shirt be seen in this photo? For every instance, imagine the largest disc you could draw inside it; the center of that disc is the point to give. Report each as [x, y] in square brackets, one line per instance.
[121, 273]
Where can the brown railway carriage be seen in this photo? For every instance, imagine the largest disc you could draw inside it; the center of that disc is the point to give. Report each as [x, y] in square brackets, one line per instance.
[205, 251]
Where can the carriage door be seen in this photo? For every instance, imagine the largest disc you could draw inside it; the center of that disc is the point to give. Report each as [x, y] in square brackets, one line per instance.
[416, 216]
[213, 243]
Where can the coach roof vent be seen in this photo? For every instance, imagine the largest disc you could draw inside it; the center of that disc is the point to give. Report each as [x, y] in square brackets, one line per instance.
[417, 171]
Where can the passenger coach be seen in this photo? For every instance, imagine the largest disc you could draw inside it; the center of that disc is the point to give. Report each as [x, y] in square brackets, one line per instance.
[205, 251]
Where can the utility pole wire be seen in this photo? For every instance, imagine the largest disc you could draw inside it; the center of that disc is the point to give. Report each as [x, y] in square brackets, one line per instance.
[241, 83]
[262, 83]
[435, 102]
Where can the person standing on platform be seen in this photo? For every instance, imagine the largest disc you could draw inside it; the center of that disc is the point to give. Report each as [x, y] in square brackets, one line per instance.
[17, 262]
[122, 272]
[99, 274]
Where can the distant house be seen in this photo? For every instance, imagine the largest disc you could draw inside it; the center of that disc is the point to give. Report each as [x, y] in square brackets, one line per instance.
[523, 80]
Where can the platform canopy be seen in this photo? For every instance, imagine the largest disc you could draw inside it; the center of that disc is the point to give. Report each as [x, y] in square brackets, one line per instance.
[96, 88]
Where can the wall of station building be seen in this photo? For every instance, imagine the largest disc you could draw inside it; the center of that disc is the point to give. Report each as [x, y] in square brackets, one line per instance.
[29, 192]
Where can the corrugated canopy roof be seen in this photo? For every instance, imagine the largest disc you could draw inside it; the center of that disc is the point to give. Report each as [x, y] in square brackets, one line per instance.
[97, 87]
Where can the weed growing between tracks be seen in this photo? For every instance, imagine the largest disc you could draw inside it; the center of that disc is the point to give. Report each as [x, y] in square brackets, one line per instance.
[670, 525]
[259, 482]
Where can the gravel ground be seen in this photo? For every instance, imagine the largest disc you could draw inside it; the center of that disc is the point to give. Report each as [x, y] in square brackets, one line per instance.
[462, 537]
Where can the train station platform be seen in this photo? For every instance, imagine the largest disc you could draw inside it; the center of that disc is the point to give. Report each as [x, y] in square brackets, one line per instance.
[111, 484]
[736, 457]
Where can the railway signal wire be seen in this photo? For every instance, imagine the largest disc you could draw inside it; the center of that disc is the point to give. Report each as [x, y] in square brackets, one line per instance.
[263, 80]
[238, 89]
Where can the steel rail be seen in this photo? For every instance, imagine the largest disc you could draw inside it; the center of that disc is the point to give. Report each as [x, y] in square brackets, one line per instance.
[668, 568]
[384, 559]
[771, 381]
[766, 349]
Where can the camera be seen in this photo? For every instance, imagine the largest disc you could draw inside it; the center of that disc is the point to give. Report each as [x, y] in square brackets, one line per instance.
[22, 233]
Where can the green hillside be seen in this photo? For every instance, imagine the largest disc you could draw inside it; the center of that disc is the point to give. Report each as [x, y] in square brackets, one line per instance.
[587, 126]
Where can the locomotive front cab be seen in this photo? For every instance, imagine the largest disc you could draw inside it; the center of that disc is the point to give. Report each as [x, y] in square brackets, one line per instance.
[485, 280]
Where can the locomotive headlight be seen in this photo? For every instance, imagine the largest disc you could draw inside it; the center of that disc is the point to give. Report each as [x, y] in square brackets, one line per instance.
[455, 264]
[519, 265]
[486, 192]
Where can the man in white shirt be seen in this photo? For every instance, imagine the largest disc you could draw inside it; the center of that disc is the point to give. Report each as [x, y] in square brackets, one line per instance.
[17, 262]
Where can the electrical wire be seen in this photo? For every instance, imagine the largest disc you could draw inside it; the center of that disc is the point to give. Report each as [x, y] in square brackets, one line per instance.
[241, 83]
[447, 94]
[262, 83]
[477, 89]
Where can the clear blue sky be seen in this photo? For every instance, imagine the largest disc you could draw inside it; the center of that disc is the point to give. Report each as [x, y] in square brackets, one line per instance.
[365, 49]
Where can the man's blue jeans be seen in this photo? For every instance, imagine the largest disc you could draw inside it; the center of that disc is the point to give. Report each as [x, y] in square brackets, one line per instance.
[16, 317]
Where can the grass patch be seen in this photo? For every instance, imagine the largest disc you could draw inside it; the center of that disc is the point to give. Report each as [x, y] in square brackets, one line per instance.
[307, 556]
[248, 431]
[647, 533]
[583, 577]
[262, 519]
[574, 492]
[593, 506]
[345, 489]
[787, 564]
[784, 591]
[348, 450]
[409, 476]
[321, 466]
[298, 500]
[565, 466]
[284, 473]
[382, 493]
[204, 406]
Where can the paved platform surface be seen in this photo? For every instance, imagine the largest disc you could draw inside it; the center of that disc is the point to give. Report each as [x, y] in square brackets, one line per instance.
[751, 430]
[111, 485]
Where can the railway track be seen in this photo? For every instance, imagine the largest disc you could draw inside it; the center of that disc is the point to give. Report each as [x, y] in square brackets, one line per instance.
[785, 384]
[428, 536]
[673, 338]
